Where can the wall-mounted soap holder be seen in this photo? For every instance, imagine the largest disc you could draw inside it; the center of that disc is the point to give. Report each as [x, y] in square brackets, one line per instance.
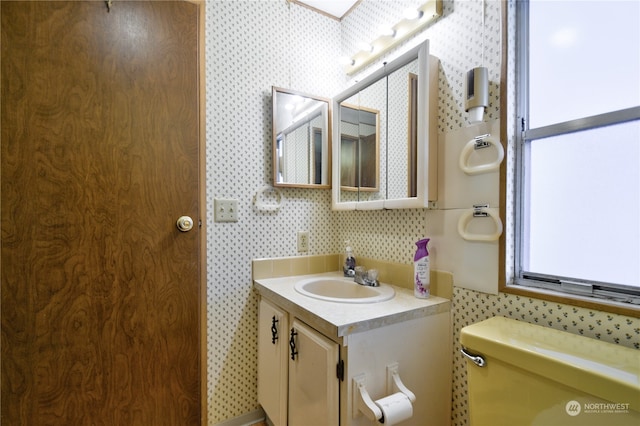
[268, 199]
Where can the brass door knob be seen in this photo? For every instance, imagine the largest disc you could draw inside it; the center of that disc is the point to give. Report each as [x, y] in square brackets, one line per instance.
[184, 223]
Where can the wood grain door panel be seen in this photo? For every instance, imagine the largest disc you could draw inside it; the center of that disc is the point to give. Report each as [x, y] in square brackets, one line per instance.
[100, 156]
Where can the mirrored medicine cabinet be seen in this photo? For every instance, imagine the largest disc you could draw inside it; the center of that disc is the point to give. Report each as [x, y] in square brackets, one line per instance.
[301, 139]
[380, 135]
[385, 136]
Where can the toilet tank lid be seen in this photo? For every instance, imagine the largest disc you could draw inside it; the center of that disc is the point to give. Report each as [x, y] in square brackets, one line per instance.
[603, 369]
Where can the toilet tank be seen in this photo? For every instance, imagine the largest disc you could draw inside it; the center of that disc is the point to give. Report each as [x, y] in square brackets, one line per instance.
[525, 374]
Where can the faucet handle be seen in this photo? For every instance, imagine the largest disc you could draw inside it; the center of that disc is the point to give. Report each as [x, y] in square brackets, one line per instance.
[359, 274]
[372, 278]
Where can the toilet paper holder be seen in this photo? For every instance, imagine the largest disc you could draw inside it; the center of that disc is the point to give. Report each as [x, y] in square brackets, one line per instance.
[362, 401]
[394, 384]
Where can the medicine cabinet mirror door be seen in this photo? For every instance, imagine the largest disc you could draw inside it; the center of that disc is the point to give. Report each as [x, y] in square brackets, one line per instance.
[360, 135]
[396, 95]
[301, 139]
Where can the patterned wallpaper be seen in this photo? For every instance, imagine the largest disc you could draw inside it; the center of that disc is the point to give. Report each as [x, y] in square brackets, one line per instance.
[253, 45]
[250, 47]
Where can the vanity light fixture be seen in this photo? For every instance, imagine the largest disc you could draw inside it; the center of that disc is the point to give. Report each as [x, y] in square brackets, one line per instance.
[422, 16]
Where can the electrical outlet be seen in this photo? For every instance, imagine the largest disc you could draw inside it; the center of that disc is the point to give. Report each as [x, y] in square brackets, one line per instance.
[303, 241]
[225, 210]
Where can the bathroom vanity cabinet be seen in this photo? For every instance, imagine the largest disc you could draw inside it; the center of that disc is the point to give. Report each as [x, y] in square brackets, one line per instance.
[310, 351]
[297, 379]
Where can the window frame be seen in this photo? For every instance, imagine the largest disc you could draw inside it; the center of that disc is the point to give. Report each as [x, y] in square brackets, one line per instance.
[589, 294]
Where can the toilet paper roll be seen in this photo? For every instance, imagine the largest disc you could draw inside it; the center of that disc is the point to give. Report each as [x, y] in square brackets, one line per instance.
[395, 408]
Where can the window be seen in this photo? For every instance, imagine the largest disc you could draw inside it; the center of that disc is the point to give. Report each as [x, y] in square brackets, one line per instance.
[578, 149]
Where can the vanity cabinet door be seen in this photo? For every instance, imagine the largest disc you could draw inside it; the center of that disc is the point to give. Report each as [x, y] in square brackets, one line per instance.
[313, 384]
[273, 343]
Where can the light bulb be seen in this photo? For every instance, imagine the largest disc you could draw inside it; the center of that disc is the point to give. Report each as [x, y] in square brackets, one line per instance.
[345, 60]
[366, 47]
[413, 14]
[386, 31]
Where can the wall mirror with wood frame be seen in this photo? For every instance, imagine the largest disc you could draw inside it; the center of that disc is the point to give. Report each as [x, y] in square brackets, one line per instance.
[301, 139]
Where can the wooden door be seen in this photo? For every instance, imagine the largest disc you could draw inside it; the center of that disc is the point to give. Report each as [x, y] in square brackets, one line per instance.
[100, 156]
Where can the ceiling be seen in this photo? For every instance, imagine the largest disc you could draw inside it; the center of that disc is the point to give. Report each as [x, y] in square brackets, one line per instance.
[334, 8]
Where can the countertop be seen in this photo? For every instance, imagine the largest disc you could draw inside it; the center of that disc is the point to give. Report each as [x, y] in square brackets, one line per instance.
[338, 320]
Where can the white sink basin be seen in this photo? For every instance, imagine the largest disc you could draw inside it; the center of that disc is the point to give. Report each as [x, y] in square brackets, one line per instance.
[343, 290]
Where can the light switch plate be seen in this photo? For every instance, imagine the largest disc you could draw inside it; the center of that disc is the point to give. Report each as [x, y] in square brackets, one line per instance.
[225, 210]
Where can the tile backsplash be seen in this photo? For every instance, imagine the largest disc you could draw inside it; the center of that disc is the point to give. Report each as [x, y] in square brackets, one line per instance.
[398, 274]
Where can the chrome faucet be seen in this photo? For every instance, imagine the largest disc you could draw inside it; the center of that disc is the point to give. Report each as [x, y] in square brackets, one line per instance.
[364, 277]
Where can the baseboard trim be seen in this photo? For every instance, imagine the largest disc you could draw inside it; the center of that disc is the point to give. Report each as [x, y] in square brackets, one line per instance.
[246, 419]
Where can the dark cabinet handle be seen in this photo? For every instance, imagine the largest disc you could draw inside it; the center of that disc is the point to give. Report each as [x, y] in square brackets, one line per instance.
[292, 344]
[274, 330]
